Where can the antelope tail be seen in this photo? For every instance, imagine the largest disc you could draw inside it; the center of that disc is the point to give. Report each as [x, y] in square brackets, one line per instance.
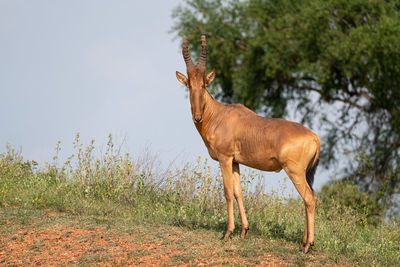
[311, 172]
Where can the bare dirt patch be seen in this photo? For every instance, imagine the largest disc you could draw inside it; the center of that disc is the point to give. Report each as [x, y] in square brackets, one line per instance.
[47, 238]
[63, 244]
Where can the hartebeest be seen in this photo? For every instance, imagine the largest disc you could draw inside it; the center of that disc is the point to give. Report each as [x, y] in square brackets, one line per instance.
[233, 135]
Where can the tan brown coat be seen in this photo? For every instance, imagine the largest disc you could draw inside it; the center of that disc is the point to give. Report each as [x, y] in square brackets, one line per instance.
[233, 135]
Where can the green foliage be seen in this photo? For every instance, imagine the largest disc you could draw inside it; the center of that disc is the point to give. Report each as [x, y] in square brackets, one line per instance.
[111, 185]
[333, 62]
[344, 194]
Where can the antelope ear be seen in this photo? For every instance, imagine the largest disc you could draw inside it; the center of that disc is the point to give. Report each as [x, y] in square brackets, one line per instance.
[210, 77]
[182, 79]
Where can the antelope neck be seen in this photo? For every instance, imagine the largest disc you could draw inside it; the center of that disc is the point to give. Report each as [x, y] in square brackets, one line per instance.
[210, 111]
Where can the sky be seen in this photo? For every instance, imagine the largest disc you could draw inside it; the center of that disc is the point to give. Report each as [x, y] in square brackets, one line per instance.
[96, 67]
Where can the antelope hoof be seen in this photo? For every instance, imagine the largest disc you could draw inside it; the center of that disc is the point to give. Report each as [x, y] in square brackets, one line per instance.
[244, 232]
[306, 248]
[302, 245]
[226, 235]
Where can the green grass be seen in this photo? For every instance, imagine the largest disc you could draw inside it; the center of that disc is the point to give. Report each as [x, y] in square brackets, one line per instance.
[115, 188]
[203, 244]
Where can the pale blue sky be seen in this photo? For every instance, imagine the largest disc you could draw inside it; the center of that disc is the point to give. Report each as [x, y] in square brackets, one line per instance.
[94, 67]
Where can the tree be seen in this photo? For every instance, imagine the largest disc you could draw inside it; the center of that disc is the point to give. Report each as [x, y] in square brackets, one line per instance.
[333, 63]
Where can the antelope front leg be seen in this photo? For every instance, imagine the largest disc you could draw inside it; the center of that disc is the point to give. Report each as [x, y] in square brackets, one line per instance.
[226, 168]
[237, 191]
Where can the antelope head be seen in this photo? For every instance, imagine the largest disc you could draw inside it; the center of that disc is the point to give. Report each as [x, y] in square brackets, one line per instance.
[196, 81]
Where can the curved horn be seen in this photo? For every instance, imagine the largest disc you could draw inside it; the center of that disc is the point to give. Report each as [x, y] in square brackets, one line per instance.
[203, 57]
[185, 53]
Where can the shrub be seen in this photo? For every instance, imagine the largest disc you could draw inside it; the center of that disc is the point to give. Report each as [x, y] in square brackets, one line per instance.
[340, 194]
[133, 189]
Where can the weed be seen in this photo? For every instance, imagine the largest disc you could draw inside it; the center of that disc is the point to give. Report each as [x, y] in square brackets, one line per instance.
[113, 185]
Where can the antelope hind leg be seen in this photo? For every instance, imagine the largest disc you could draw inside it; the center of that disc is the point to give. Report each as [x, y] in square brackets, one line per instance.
[310, 200]
[305, 236]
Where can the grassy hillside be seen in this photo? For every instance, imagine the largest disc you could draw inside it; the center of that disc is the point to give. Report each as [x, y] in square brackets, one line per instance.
[118, 187]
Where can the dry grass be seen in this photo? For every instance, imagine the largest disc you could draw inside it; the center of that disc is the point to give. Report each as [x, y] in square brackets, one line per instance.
[112, 188]
[53, 238]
